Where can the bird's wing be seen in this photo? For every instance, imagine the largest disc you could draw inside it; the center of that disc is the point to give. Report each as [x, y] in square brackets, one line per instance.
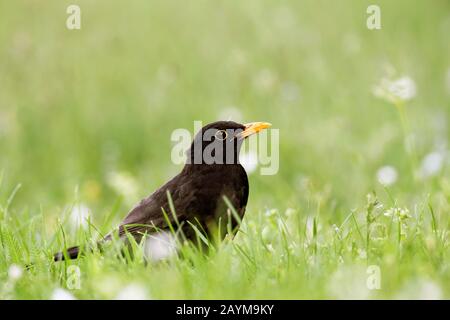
[153, 213]
[146, 217]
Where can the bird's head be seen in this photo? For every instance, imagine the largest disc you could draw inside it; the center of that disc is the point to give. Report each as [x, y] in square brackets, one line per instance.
[220, 142]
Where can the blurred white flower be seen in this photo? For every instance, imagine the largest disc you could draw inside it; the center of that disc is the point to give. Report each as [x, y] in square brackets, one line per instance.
[231, 113]
[290, 92]
[303, 182]
[420, 289]
[351, 44]
[79, 216]
[166, 75]
[265, 80]
[362, 254]
[267, 234]
[107, 285]
[62, 294]
[387, 175]
[309, 227]
[133, 292]
[7, 122]
[249, 161]
[431, 164]
[124, 184]
[271, 213]
[349, 282]
[15, 272]
[395, 91]
[404, 88]
[430, 291]
[160, 246]
[238, 58]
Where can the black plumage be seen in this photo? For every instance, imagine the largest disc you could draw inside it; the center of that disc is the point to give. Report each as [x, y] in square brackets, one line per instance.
[211, 174]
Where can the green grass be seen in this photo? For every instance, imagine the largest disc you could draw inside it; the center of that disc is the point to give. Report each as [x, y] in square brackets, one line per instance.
[86, 118]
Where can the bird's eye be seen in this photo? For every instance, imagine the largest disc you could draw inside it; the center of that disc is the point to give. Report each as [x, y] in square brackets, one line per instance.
[221, 135]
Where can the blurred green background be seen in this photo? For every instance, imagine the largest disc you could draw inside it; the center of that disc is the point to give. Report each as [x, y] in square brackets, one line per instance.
[86, 115]
[76, 105]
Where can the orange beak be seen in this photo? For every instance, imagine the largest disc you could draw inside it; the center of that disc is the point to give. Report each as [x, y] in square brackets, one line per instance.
[252, 128]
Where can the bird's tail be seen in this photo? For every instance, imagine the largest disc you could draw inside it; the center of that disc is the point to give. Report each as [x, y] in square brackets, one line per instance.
[69, 253]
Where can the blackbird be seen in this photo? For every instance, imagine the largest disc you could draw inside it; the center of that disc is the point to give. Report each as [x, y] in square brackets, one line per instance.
[198, 194]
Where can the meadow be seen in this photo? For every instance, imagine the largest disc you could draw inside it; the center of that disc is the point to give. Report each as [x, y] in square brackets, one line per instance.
[359, 207]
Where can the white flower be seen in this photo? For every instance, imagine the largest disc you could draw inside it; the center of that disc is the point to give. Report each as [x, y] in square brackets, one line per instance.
[231, 113]
[394, 91]
[79, 216]
[15, 272]
[160, 246]
[431, 164]
[398, 213]
[133, 292]
[387, 175]
[124, 184]
[249, 161]
[404, 88]
[62, 294]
